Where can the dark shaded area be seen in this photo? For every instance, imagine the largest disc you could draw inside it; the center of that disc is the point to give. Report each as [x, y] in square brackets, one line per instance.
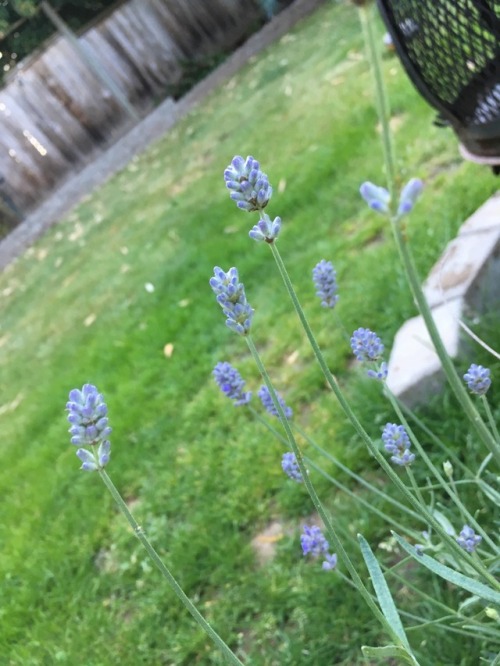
[25, 27]
[451, 52]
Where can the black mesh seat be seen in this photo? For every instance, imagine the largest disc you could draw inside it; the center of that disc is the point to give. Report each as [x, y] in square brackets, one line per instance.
[451, 51]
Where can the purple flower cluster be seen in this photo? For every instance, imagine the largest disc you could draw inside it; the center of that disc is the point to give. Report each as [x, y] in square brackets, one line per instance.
[291, 467]
[409, 195]
[366, 345]
[380, 373]
[468, 539]
[268, 404]
[229, 381]
[397, 442]
[266, 229]
[314, 543]
[478, 379]
[378, 198]
[249, 186]
[87, 414]
[230, 294]
[325, 281]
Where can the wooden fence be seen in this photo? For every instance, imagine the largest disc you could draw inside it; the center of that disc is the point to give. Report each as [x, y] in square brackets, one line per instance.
[75, 97]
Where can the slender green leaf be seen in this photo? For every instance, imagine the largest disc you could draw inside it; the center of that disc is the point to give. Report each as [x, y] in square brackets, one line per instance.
[448, 574]
[444, 522]
[382, 591]
[388, 651]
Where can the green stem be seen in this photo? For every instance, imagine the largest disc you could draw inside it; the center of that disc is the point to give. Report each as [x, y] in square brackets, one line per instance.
[438, 623]
[414, 485]
[332, 382]
[331, 532]
[139, 532]
[380, 97]
[437, 474]
[449, 369]
[486, 488]
[490, 417]
[340, 485]
[356, 477]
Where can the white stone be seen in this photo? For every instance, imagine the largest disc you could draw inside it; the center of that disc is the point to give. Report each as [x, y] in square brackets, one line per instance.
[467, 275]
[414, 367]
[461, 264]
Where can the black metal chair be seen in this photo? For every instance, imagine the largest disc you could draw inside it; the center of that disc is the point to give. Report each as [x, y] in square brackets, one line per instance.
[451, 51]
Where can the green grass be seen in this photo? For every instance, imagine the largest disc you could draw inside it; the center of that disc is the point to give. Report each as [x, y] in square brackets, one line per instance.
[202, 477]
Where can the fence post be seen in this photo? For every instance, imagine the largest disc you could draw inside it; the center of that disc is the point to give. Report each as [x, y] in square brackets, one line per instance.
[90, 61]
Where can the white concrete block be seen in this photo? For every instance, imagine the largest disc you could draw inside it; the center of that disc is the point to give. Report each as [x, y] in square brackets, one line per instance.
[461, 265]
[414, 367]
[467, 275]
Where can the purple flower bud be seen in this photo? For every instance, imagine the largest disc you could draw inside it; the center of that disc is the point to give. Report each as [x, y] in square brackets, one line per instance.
[478, 379]
[230, 294]
[380, 374]
[409, 195]
[103, 453]
[468, 539]
[89, 426]
[291, 467]
[265, 229]
[397, 442]
[313, 542]
[330, 562]
[229, 381]
[268, 404]
[249, 186]
[366, 345]
[325, 281]
[376, 197]
[88, 460]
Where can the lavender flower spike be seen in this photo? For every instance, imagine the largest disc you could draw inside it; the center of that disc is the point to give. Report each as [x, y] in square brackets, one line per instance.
[380, 373]
[265, 229]
[229, 381]
[249, 186]
[230, 294]
[325, 281]
[366, 345]
[409, 195]
[268, 404]
[291, 467]
[376, 197]
[87, 414]
[330, 562]
[397, 442]
[478, 379]
[468, 539]
[313, 542]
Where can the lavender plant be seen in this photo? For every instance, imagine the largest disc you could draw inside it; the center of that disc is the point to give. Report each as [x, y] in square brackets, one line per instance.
[397, 438]
[467, 558]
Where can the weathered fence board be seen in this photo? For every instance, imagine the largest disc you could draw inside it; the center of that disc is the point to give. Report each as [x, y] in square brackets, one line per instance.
[56, 111]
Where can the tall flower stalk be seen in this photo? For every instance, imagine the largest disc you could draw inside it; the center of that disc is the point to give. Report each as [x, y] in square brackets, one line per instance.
[87, 414]
[231, 296]
[365, 344]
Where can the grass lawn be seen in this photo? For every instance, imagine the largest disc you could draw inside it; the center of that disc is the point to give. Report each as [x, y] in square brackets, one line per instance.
[203, 478]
